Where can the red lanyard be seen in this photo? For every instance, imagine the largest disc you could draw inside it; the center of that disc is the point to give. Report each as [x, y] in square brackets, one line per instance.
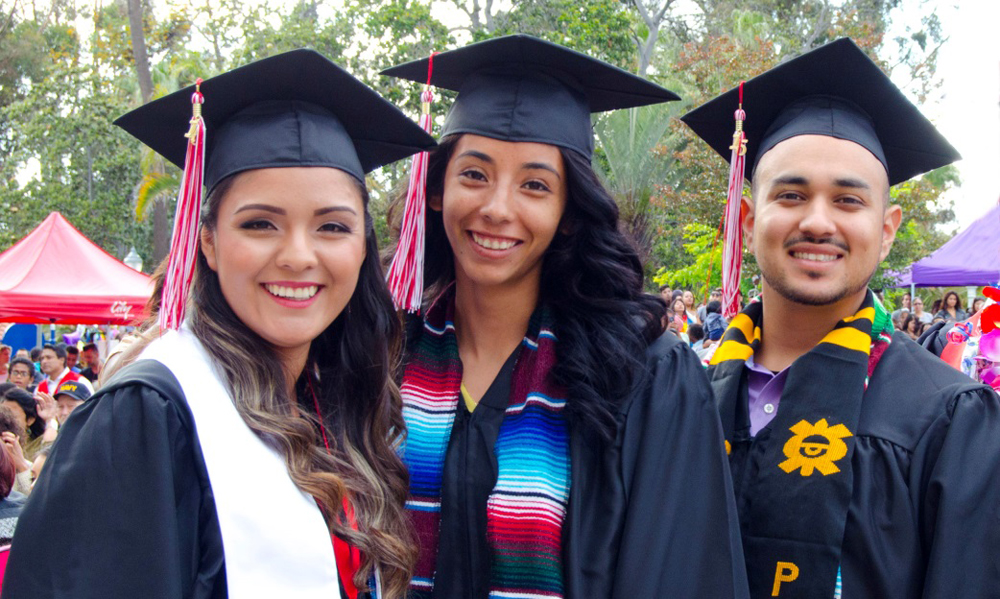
[348, 557]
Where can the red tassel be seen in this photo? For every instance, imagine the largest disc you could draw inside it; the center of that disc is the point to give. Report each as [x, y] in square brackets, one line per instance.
[184, 241]
[732, 252]
[406, 273]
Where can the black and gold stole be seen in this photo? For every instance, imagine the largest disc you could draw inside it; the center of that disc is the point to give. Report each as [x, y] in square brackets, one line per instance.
[793, 481]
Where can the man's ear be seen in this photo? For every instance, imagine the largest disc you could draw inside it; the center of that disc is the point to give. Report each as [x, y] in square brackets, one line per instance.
[746, 221]
[208, 248]
[890, 224]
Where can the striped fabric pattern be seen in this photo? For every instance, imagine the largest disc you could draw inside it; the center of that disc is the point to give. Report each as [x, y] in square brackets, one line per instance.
[431, 385]
[526, 508]
[868, 331]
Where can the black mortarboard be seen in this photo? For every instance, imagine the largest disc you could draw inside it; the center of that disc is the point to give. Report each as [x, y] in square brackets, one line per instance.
[293, 109]
[520, 88]
[834, 90]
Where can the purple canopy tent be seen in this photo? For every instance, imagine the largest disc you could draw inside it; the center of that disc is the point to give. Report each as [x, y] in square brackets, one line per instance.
[971, 258]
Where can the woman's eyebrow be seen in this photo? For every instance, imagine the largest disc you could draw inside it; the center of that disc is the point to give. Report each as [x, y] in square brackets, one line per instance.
[543, 166]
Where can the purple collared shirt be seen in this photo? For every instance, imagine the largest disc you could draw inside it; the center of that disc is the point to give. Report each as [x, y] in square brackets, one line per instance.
[763, 394]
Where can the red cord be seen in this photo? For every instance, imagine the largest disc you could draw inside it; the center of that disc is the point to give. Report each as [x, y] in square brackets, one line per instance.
[430, 67]
[322, 429]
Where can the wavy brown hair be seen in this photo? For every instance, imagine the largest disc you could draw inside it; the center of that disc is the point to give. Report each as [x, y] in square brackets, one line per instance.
[591, 279]
[349, 367]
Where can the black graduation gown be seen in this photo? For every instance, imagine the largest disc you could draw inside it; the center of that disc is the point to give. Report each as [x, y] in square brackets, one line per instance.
[650, 514]
[924, 516]
[123, 508]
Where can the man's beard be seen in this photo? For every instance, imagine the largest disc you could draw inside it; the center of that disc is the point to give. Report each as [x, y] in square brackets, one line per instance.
[798, 297]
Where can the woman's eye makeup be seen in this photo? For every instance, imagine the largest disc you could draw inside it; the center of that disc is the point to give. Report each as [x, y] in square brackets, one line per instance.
[536, 185]
[257, 224]
[335, 227]
[474, 174]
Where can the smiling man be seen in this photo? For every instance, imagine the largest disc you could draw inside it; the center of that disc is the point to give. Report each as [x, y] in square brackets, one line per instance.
[862, 464]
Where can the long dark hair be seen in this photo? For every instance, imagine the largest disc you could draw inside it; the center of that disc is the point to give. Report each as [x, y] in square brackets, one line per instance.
[591, 279]
[27, 402]
[349, 369]
[958, 301]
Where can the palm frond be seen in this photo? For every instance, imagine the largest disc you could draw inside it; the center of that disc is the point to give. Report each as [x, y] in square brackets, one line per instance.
[152, 187]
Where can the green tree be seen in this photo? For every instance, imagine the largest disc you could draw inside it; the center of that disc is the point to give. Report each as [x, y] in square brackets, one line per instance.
[733, 41]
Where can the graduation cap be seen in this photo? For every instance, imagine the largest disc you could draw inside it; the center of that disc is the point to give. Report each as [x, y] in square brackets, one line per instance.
[521, 88]
[293, 109]
[834, 90]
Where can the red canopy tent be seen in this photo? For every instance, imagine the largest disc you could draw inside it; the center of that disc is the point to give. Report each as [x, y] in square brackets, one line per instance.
[56, 275]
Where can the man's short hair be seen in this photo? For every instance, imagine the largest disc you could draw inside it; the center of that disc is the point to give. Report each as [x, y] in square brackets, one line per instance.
[696, 333]
[25, 361]
[72, 349]
[58, 348]
[90, 346]
[36, 353]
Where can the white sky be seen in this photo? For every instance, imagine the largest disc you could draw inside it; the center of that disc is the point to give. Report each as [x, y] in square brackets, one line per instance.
[969, 112]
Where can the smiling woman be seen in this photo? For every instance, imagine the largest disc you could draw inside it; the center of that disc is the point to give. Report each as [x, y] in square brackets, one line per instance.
[220, 460]
[558, 445]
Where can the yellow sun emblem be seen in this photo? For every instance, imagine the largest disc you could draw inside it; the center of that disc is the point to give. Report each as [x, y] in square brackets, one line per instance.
[815, 447]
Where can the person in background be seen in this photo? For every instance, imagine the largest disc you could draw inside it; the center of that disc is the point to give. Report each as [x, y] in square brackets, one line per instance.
[904, 305]
[11, 435]
[679, 309]
[36, 359]
[11, 501]
[977, 305]
[69, 397]
[865, 467]
[951, 308]
[666, 293]
[696, 334]
[21, 372]
[53, 364]
[34, 424]
[911, 326]
[715, 326]
[4, 362]
[23, 432]
[918, 311]
[689, 308]
[671, 322]
[39, 463]
[714, 296]
[72, 357]
[92, 359]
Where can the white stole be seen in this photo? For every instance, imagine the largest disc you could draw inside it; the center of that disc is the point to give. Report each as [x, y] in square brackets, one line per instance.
[275, 539]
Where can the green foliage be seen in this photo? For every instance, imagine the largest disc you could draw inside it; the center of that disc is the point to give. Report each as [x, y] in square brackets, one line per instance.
[59, 91]
[703, 272]
[601, 28]
[61, 151]
[631, 163]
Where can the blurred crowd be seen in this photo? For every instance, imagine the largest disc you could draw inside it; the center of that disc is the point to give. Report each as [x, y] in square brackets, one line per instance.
[39, 389]
[914, 318]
